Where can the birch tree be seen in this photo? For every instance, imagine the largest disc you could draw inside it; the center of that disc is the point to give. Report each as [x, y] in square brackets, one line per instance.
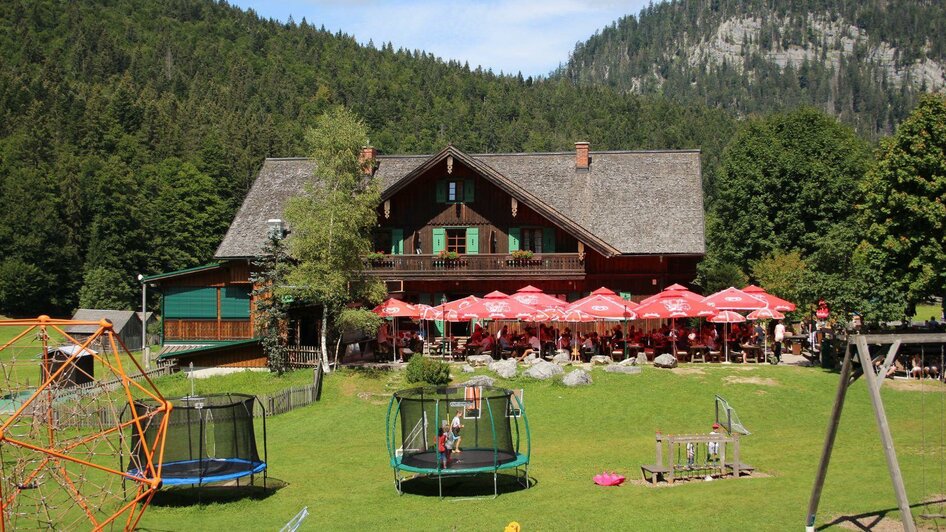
[331, 222]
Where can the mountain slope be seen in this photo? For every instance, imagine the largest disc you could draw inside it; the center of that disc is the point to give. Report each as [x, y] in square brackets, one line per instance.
[131, 129]
[864, 62]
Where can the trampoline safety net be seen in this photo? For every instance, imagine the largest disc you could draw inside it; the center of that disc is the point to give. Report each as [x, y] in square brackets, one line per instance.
[489, 435]
[209, 439]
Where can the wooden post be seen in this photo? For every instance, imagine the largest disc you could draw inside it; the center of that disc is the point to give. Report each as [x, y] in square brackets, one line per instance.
[735, 455]
[889, 452]
[829, 438]
[660, 450]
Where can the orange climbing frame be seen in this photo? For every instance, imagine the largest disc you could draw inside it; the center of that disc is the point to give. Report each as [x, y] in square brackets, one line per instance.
[53, 450]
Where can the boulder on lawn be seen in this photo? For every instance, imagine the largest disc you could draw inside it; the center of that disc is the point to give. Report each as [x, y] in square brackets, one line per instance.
[561, 357]
[600, 360]
[665, 360]
[641, 358]
[531, 359]
[479, 380]
[543, 370]
[505, 368]
[466, 368]
[617, 368]
[630, 362]
[479, 360]
[579, 377]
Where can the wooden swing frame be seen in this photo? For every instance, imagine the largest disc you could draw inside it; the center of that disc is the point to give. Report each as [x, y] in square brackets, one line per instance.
[874, 381]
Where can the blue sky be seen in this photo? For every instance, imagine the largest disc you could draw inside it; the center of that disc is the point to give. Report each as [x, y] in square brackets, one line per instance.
[531, 36]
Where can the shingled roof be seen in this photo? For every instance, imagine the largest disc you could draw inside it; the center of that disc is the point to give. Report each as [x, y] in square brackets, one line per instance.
[627, 202]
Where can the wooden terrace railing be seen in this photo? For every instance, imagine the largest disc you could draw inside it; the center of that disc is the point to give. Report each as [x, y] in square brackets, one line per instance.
[487, 265]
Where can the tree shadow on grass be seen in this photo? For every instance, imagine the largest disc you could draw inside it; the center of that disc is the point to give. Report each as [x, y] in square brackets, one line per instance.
[932, 513]
[179, 496]
[462, 486]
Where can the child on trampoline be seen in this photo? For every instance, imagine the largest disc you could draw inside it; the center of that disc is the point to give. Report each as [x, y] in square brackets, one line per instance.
[443, 447]
[455, 428]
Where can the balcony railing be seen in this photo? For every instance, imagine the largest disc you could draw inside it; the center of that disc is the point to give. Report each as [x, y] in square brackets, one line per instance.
[546, 265]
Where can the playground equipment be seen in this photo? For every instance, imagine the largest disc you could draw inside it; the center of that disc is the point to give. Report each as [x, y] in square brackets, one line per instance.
[60, 438]
[209, 439]
[873, 372]
[698, 456]
[491, 435]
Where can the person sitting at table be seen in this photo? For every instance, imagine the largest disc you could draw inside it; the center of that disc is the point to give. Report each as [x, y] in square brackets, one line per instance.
[505, 343]
[532, 346]
[477, 336]
[486, 345]
[617, 335]
[385, 344]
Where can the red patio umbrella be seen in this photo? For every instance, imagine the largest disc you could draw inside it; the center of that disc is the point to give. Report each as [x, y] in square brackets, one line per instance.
[395, 308]
[535, 297]
[727, 317]
[499, 306]
[733, 299]
[606, 292]
[672, 304]
[605, 308]
[677, 290]
[765, 314]
[773, 302]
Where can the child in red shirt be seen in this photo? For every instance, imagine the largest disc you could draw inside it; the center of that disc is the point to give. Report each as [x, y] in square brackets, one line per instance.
[443, 454]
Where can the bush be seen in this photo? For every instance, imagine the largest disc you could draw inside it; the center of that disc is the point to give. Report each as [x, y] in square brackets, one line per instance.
[426, 370]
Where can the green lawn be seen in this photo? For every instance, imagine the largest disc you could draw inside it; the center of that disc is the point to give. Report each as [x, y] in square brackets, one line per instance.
[332, 455]
[925, 310]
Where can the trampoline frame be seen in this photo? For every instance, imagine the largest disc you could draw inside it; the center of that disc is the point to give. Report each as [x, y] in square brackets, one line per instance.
[261, 467]
[520, 464]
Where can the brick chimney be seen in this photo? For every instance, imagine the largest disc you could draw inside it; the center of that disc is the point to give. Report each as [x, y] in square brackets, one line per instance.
[582, 157]
[368, 153]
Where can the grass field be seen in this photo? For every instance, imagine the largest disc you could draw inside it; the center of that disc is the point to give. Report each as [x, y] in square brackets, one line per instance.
[332, 455]
[925, 310]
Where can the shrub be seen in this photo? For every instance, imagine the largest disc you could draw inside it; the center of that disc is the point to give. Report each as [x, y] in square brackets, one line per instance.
[426, 370]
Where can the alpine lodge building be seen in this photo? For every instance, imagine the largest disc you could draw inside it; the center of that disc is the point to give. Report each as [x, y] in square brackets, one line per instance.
[454, 224]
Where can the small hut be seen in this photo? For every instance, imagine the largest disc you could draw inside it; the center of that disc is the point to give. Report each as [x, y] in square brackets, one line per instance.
[81, 372]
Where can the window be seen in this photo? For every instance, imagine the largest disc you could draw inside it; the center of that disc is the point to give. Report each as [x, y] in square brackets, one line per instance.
[532, 239]
[456, 240]
[454, 191]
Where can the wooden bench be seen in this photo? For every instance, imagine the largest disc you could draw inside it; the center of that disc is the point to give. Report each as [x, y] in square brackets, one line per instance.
[656, 473]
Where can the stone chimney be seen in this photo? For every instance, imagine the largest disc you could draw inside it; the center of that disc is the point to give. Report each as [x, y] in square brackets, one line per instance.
[582, 156]
[368, 153]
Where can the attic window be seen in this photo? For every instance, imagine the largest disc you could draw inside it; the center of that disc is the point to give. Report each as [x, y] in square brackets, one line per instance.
[454, 191]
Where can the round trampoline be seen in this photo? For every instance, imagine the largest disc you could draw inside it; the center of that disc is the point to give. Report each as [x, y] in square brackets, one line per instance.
[209, 439]
[495, 433]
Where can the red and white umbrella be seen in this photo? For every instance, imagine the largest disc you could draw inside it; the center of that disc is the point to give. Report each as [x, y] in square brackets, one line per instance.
[727, 317]
[395, 308]
[771, 301]
[535, 297]
[733, 299]
[605, 292]
[765, 314]
[499, 306]
[677, 291]
[605, 308]
[672, 304]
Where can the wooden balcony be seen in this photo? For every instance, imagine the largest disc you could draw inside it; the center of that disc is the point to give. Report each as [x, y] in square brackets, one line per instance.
[187, 330]
[481, 266]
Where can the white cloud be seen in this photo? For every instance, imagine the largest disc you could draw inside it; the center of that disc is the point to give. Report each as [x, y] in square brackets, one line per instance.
[531, 36]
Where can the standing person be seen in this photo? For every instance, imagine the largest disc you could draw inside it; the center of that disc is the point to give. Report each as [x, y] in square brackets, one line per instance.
[779, 336]
[712, 448]
[455, 428]
[442, 455]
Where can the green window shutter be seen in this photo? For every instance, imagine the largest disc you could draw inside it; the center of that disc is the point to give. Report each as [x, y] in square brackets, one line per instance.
[472, 240]
[513, 239]
[440, 240]
[397, 241]
[468, 190]
[235, 302]
[626, 296]
[190, 302]
[548, 240]
[441, 191]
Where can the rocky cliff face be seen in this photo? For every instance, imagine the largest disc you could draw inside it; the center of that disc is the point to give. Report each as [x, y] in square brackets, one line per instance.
[864, 62]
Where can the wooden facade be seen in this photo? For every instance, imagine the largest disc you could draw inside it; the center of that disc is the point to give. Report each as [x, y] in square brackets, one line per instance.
[413, 222]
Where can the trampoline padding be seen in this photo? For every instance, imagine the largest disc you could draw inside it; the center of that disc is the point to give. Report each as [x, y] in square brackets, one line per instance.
[469, 461]
[206, 471]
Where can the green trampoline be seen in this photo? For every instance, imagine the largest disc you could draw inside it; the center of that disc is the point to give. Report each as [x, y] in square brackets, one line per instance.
[492, 438]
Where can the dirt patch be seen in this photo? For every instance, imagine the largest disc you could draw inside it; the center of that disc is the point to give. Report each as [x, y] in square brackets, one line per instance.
[913, 385]
[688, 371]
[760, 381]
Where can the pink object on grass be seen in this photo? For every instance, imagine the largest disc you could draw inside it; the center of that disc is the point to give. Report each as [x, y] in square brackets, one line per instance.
[609, 479]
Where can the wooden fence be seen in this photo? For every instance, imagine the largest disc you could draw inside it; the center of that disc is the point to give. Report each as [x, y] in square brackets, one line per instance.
[304, 356]
[73, 415]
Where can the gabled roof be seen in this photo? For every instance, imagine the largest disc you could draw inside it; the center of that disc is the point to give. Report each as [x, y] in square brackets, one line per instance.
[119, 319]
[627, 202]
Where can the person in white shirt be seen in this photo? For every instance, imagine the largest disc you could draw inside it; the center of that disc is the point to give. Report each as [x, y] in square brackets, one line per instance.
[779, 336]
[455, 427]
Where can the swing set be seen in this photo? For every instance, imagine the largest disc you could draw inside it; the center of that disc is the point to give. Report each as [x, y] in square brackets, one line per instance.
[858, 353]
